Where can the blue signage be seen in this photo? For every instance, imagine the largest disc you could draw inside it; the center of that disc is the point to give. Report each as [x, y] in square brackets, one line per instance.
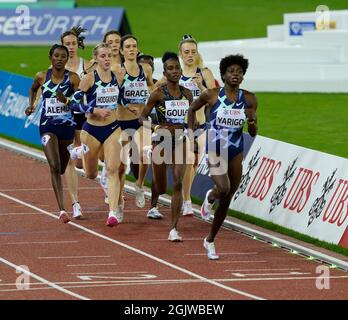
[44, 26]
[14, 98]
[296, 28]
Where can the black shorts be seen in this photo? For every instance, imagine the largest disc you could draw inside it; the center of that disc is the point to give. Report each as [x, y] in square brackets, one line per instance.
[80, 119]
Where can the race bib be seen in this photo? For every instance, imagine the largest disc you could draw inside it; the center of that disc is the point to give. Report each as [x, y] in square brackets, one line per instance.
[54, 107]
[176, 110]
[196, 92]
[136, 90]
[230, 118]
[107, 97]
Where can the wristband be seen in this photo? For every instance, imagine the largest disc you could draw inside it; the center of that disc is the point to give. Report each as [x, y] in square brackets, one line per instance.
[156, 127]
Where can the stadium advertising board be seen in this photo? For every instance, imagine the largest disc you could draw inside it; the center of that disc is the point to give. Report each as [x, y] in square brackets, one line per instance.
[14, 92]
[298, 188]
[25, 25]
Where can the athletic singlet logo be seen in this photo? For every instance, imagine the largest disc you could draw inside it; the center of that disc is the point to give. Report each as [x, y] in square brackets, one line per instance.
[55, 108]
[107, 97]
[176, 110]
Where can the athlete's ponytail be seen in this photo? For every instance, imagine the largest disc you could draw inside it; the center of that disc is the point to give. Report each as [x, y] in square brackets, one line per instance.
[75, 31]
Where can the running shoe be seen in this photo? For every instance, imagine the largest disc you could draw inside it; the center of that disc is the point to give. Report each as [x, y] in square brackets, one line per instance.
[77, 214]
[210, 247]
[119, 213]
[139, 197]
[112, 220]
[174, 236]
[153, 213]
[64, 217]
[75, 153]
[207, 207]
[187, 209]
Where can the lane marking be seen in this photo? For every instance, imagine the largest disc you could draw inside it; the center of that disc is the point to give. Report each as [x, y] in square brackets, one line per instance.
[168, 264]
[262, 269]
[243, 261]
[74, 257]
[43, 242]
[47, 189]
[49, 283]
[240, 275]
[91, 264]
[222, 253]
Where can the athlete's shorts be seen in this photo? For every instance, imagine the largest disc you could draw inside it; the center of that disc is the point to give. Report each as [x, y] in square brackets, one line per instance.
[101, 133]
[80, 119]
[129, 124]
[223, 148]
[60, 131]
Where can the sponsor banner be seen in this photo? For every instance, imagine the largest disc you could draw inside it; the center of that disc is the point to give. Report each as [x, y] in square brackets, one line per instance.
[14, 98]
[44, 26]
[298, 188]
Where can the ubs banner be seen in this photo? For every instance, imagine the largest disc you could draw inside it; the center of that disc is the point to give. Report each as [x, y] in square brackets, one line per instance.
[298, 188]
[25, 25]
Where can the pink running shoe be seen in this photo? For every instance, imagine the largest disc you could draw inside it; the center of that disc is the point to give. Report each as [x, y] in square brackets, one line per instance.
[112, 221]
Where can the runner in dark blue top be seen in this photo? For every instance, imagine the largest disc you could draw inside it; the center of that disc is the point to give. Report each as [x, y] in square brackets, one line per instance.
[135, 87]
[101, 128]
[171, 102]
[229, 108]
[57, 126]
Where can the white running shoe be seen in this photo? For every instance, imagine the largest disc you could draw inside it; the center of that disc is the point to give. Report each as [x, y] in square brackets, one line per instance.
[210, 247]
[207, 207]
[139, 197]
[75, 153]
[77, 214]
[153, 213]
[174, 236]
[112, 219]
[187, 209]
[64, 217]
[119, 214]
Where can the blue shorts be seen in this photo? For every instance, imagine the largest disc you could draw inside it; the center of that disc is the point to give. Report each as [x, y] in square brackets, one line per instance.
[101, 133]
[221, 147]
[60, 131]
[129, 124]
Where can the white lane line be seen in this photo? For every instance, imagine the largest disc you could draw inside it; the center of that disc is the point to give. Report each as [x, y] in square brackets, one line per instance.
[20, 214]
[112, 272]
[262, 269]
[243, 261]
[222, 253]
[168, 264]
[91, 264]
[293, 273]
[46, 189]
[43, 242]
[74, 257]
[117, 283]
[49, 283]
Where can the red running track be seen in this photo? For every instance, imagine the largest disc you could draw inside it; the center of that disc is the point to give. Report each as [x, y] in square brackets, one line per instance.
[134, 261]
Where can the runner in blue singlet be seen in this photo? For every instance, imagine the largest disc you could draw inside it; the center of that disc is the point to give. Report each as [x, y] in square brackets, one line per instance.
[229, 108]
